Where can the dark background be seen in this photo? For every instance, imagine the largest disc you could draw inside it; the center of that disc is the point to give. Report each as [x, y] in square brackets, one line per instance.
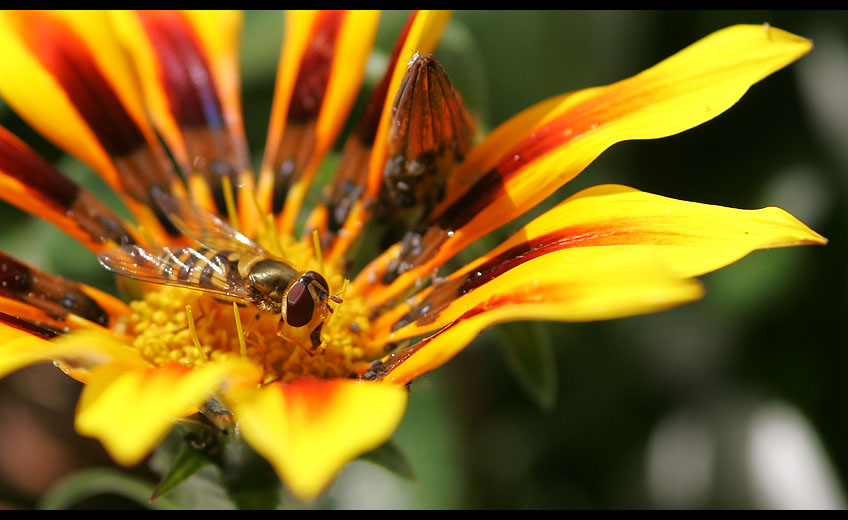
[737, 400]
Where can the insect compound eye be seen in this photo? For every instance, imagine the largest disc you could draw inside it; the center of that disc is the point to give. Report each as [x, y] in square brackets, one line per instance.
[318, 278]
[299, 304]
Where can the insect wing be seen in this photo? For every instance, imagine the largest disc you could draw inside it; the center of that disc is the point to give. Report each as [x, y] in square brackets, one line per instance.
[204, 227]
[197, 269]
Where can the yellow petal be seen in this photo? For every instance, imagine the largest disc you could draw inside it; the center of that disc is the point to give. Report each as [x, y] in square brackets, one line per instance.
[53, 297]
[34, 185]
[422, 37]
[321, 68]
[190, 81]
[77, 352]
[529, 157]
[687, 89]
[350, 178]
[65, 74]
[13, 327]
[130, 409]
[566, 285]
[20, 348]
[22, 310]
[690, 238]
[310, 428]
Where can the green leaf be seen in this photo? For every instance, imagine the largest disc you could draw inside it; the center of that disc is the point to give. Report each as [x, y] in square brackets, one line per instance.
[260, 47]
[232, 476]
[249, 479]
[188, 462]
[530, 356]
[390, 457]
[204, 488]
[95, 481]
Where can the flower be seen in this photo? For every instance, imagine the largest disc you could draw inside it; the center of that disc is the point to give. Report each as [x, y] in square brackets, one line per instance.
[312, 389]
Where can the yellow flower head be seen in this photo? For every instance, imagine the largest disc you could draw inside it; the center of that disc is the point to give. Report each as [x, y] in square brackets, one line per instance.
[231, 301]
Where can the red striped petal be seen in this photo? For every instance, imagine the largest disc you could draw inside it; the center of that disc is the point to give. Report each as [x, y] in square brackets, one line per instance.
[689, 238]
[34, 185]
[421, 36]
[65, 74]
[52, 299]
[529, 157]
[321, 68]
[579, 284]
[183, 91]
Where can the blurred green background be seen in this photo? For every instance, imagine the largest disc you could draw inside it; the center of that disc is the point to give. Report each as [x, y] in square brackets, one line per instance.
[737, 400]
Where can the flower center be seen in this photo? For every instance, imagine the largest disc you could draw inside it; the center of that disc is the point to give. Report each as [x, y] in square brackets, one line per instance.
[172, 324]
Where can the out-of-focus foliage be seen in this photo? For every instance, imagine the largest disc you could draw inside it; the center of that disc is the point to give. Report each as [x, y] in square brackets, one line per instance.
[737, 400]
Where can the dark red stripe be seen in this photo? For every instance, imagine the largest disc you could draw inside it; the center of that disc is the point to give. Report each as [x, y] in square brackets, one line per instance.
[28, 168]
[315, 68]
[72, 64]
[349, 183]
[54, 295]
[14, 277]
[380, 369]
[442, 295]
[491, 186]
[366, 130]
[185, 72]
[524, 252]
[36, 329]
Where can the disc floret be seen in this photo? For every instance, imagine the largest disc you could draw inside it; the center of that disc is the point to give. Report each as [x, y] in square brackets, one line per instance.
[161, 322]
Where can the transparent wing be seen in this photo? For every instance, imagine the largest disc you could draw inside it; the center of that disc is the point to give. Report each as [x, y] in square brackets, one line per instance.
[205, 228]
[198, 269]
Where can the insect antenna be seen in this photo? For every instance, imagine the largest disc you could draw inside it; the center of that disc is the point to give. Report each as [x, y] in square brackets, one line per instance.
[339, 298]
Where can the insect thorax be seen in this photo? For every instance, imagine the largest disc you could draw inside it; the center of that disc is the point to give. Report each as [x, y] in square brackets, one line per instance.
[270, 278]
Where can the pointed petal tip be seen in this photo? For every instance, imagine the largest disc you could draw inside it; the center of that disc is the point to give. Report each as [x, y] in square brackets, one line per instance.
[797, 232]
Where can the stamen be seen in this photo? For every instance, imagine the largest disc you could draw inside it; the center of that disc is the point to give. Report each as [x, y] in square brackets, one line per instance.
[316, 244]
[193, 333]
[242, 344]
[266, 220]
[228, 200]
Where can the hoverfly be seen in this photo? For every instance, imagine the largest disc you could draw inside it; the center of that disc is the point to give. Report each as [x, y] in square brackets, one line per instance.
[228, 265]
